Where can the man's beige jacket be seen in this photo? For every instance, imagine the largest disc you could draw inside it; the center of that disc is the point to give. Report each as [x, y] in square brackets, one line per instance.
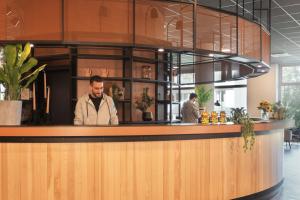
[86, 114]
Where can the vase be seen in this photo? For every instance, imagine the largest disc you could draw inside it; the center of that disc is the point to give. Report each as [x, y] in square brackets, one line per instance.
[264, 115]
[147, 116]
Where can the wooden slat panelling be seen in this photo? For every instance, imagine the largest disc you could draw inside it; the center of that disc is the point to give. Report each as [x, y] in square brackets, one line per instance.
[161, 170]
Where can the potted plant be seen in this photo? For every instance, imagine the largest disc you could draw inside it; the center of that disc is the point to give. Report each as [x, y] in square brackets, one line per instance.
[265, 107]
[279, 111]
[143, 103]
[239, 116]
[16, 72]
[203, 96]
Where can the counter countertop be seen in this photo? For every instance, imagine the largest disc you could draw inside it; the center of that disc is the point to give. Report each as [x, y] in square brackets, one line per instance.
[134, 130]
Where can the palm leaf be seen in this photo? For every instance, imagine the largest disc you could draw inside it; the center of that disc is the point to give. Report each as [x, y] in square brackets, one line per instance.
[24, 54]
[34, 72]
[28, 65]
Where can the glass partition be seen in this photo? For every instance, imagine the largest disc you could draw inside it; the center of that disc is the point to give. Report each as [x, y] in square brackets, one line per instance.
[99, 21]
[164, 24]
[216, 31]
[30, 20]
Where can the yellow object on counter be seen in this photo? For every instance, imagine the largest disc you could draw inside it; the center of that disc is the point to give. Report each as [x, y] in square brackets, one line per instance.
[214, 117]
[222, 117]
[204, 118]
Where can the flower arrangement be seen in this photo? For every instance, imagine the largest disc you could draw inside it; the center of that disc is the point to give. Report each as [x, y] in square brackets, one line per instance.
[145, 101]
[265, 106]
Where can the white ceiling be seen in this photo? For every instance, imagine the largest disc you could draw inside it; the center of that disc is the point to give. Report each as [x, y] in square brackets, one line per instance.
[285, 31]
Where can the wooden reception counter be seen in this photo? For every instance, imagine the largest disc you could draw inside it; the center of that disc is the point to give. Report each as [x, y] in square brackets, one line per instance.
[140, 162]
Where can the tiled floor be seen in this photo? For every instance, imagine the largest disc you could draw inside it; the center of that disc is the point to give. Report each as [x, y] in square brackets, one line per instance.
[291, 187]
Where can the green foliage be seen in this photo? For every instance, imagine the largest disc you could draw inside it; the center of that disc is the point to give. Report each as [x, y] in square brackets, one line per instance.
[145, 101]
[17, 70]
[239, 116]
[290, 99]
[203, 95]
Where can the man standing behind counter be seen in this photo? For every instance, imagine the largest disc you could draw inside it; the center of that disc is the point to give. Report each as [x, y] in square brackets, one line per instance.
[190, 110]
[96, 108]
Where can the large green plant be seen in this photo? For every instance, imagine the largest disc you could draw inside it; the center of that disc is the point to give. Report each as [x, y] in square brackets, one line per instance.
[17, 70]
[203, 95]
[239, 116]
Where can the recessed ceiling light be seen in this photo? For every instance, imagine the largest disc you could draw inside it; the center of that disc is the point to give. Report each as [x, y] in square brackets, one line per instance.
[226, 50]
[161, 50]
[240, 59]
[279, 55]
[31, 45]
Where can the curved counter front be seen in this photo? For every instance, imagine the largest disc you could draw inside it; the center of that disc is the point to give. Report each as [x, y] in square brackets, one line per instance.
[140, 162]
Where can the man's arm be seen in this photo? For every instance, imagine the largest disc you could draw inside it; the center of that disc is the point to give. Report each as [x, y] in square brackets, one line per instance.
[78, 120]
[196, 112]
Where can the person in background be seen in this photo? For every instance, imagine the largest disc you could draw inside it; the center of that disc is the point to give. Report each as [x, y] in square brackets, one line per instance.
[190, 110]
[96, 108]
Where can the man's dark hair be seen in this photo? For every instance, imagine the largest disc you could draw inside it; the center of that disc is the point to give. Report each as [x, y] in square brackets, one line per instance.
[95, 79]
[193, 95]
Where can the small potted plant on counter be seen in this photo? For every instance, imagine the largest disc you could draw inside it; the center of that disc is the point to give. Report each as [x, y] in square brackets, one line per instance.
[16, 72]
[143, 103]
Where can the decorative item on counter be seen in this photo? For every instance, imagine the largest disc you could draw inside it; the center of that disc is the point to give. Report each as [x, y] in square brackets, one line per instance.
[143, 103]
[146, 72]
[204, 117]
[279, 111]
[222, 117]
[214, 117]
[265, 107]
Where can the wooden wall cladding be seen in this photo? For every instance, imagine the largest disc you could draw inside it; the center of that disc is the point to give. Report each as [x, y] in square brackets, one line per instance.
[187, 169]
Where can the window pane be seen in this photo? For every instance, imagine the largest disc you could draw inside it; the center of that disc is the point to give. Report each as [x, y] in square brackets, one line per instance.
[30, 20]
[230, 98]
[291, 74]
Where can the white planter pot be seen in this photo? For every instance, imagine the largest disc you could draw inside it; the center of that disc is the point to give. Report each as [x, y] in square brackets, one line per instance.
[10, 112]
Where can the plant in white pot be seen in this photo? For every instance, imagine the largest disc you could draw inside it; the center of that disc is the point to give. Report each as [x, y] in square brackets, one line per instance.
[17, 71]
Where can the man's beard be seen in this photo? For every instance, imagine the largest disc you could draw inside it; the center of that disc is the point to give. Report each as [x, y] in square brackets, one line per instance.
[97, 95]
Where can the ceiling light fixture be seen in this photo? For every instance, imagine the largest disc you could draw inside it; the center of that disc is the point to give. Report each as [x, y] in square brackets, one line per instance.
[226, 50]
[161, 50]
[279, 55]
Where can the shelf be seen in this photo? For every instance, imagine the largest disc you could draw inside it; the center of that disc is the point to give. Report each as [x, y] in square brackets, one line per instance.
[104, 78]
[163, 101]
[104, 57]
[149, 81]
[148, 60]
[53, 57]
